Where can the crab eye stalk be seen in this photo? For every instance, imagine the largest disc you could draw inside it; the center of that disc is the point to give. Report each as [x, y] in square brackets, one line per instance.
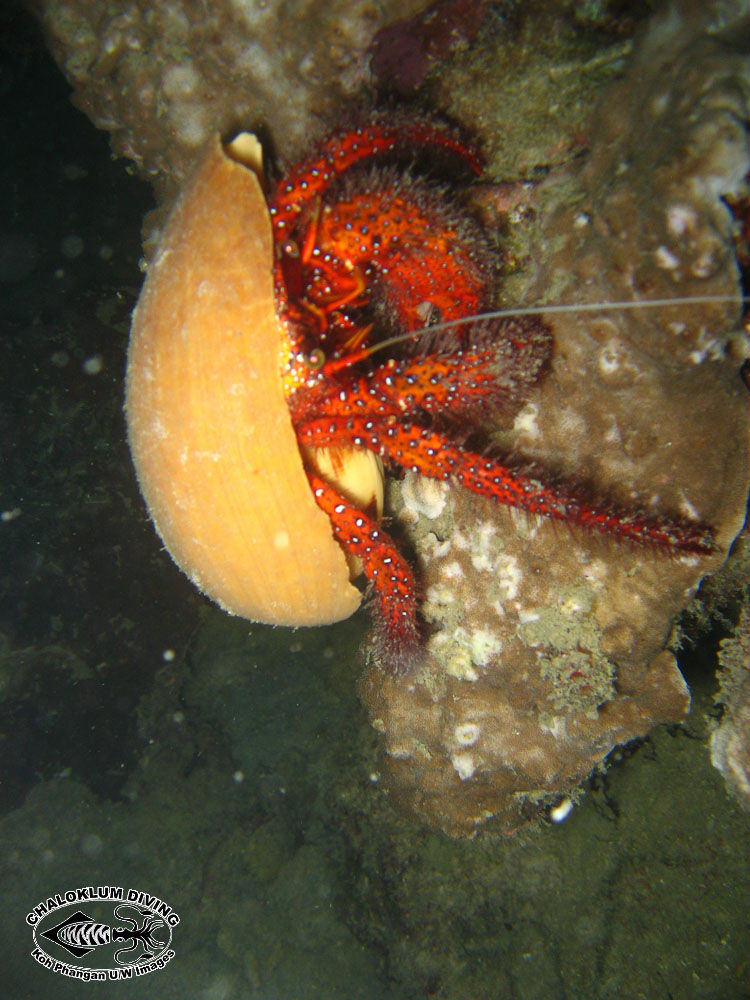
[316, 359]
[292, 269]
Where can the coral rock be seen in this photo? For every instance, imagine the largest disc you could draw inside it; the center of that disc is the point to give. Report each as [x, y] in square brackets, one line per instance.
[163, 77]
[730, 743]
[547, 645]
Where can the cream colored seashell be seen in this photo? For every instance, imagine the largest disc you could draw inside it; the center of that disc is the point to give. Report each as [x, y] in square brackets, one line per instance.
[209, 429]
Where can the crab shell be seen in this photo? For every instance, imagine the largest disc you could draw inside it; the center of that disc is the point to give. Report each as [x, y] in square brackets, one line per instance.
[209, 429]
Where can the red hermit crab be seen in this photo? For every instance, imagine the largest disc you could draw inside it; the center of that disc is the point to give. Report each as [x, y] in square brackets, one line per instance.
[373, 252]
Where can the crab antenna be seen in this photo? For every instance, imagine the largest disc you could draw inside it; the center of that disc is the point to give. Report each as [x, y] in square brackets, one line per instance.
[546, 310]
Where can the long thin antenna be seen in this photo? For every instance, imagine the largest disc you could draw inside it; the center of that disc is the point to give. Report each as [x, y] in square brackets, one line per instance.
[583, 307]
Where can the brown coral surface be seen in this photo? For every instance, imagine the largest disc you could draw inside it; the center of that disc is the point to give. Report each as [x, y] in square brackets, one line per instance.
[163, 77]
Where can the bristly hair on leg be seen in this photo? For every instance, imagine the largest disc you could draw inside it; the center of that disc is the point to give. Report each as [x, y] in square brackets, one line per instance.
[395, 650]
[392, 594]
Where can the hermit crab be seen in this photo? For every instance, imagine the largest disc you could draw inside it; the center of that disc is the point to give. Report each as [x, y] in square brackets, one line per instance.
[284, 350]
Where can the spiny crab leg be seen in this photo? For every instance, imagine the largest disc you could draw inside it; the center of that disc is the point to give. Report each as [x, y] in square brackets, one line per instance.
[461, 383]
[392, 581]
[433, 455]
[348, 147]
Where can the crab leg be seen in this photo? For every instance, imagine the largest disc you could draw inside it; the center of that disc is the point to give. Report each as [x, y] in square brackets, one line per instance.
[391, 580]
[433, 455]
[458, 383]
[348, 147]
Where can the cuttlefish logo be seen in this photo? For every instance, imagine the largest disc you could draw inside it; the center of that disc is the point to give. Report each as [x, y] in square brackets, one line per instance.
[111, 932]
